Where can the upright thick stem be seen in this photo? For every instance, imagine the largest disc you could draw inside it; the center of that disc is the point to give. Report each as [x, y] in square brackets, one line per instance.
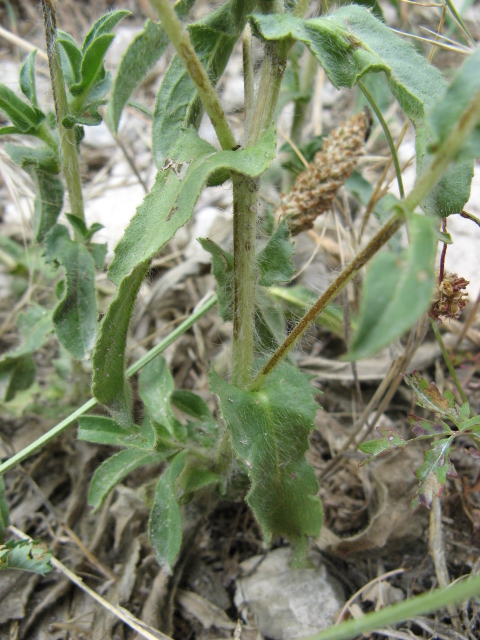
[245, 191]
[68, 143]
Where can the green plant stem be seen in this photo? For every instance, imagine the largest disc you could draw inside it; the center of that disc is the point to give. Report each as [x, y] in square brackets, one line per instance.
[185, 51]
[388, 135]
[248, 78]
[245, 200]
[448, 362]
[245, 195]
[64, 424]
[68, 143]
[406, 610]
[360, 260]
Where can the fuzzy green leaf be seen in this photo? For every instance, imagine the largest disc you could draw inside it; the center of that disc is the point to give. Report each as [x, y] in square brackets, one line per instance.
[41, 165]
[374, 448]
[100, 430]
[27, 79]
[269, 432]
[25, 555]
[177, 106]
[275, 259]
[204, 431]
[222, 268]
[147, 437]
[36, 157]
[92, 69]
[24, 117]
[433, 474]
[142, 54]
[71, 58]
[350, 43]
[193, 478]
[114, 470]
[446, 114]
[10, 131]
[165, 523]
[110, 386]
[156, 387]
[75, 317]
[104, 25]
[396, 291]
[191, 404]
[48, 202]
[170, 203]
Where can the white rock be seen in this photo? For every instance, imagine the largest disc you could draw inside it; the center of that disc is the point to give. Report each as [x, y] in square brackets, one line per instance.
[284, 602]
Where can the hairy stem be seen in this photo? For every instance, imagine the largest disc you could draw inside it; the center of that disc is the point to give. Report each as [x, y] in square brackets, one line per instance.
[248, 79]
[245, 192]
[360, 260]
[185, 51]
[68, 143]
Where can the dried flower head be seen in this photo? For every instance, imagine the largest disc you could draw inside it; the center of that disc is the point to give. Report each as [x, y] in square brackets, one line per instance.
[450, 297]
[314, 189]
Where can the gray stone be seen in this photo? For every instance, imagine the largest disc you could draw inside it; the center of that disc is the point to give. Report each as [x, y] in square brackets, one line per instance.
[287, 603]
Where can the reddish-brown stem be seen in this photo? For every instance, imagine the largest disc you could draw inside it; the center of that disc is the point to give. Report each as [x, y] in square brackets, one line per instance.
[443, 255]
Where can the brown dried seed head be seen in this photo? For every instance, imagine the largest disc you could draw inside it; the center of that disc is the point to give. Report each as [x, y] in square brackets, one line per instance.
[314, 189]
[450, 297]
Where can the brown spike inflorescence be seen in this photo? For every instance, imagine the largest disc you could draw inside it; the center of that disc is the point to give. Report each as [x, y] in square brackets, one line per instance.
[314, 189]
